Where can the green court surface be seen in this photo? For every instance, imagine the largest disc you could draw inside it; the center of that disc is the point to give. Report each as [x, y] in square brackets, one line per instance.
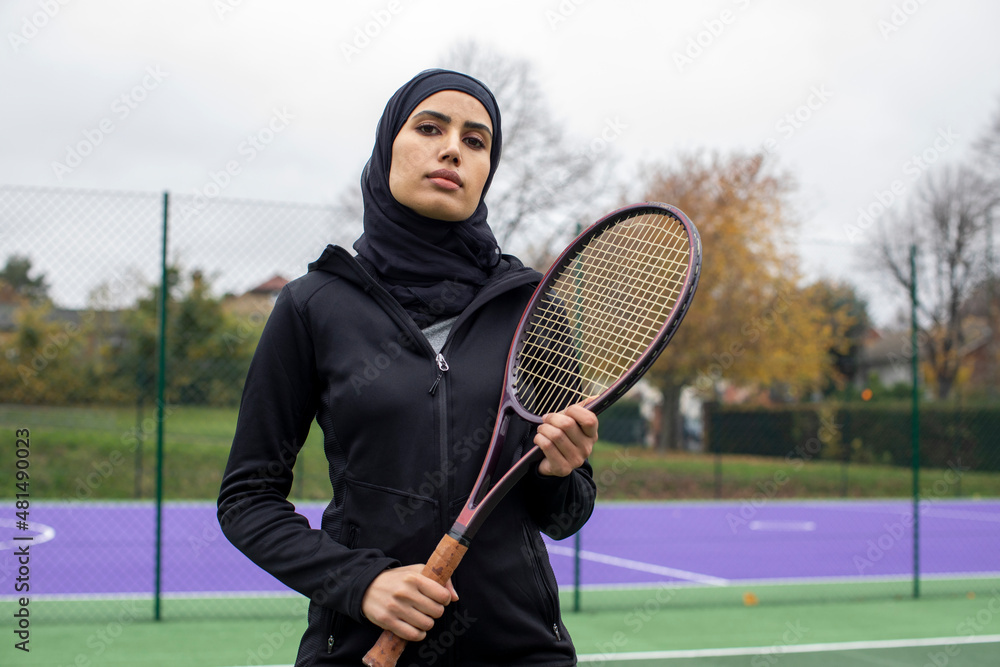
[642, 627]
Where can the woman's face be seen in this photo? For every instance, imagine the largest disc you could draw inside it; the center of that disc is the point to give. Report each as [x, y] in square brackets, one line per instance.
[441, 156]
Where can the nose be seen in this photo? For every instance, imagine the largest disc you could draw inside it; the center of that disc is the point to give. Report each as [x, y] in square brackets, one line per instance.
[451, 149]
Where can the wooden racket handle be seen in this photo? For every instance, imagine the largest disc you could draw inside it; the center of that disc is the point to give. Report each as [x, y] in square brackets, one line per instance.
[439, 567]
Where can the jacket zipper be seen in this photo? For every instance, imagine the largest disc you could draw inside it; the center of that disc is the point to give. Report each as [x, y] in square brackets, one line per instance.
[442, 365]
[442, 410]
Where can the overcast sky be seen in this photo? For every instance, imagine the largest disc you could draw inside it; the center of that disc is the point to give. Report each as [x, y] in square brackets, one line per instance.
[843, 94]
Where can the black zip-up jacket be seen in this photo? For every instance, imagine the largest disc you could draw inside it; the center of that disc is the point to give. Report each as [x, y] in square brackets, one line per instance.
[405, 441]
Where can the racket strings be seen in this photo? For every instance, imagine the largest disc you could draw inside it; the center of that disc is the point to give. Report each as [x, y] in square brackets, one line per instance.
[621, 303]
[602, 312]
[610, 330]
[616, 333]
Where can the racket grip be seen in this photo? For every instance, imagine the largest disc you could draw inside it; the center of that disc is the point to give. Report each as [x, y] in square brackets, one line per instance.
[439, 567]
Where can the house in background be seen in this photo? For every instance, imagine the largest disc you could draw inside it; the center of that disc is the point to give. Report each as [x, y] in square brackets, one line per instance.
[259, 299]
[887, 356]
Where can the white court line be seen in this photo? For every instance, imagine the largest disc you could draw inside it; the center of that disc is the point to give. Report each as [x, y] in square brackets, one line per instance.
[772, 650]
[42, 532]
[927, 507]
[639, 566]
[292, 595]
[800, 648]
[959, 514]
[791, 581]
[783, 526]
[928, 510]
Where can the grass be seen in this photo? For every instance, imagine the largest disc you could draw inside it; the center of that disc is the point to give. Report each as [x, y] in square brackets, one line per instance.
[100, 452]
[651, 622]
[639, 474]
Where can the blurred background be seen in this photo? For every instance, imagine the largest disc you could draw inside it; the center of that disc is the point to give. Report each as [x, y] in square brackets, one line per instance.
[823, 428]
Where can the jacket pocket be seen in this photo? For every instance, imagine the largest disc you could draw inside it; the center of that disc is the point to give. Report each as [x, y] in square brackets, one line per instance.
[548, 598]
[402, 525]
[336, 623]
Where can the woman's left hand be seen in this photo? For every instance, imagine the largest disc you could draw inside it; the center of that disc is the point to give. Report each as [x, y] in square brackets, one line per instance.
[566, 438]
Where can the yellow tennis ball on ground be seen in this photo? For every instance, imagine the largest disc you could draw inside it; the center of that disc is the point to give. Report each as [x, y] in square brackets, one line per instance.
[750, 600]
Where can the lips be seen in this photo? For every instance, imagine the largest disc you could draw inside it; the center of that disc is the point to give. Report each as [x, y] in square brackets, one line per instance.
[446, 178]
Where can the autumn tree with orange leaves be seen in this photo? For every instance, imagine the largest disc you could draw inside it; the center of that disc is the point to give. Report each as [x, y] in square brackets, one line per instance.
[752, 324]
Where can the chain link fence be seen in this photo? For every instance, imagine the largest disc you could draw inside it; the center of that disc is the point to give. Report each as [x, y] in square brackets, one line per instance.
[909, 498]
[80, 372]
[805, 502]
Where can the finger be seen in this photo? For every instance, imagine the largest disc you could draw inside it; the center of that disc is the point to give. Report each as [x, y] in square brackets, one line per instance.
[411, 628]
[554, 441]
[586, 419]
[422, 615]
[403, 618]
[555, 462]
[451, 589]
[574, 417]
[418, 599]
[434, 591]
[418, 613]
[567, 437]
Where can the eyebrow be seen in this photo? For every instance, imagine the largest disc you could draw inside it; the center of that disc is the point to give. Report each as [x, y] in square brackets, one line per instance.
[470, 125]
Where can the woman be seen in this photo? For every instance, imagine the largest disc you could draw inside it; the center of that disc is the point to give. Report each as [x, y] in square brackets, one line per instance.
[399, 353]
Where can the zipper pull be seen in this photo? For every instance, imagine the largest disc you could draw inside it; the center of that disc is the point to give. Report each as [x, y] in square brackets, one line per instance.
[442, 369]
[329, 645]
[555, 631]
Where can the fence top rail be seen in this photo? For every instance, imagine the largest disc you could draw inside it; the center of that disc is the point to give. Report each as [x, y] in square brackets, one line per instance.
[174, 196]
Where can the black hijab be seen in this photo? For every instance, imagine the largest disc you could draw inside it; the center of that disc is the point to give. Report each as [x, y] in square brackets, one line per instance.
[432, 267]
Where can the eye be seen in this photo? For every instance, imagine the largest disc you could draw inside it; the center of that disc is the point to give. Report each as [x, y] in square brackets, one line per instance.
[475, 142]
[427, 128]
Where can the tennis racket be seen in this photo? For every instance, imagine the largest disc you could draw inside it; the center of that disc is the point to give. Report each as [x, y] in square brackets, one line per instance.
[598, 320]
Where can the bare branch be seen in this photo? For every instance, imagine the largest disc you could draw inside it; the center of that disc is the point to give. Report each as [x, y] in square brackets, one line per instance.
[948, 221]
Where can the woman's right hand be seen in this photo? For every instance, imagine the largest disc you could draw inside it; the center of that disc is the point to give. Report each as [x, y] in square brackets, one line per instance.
[405, 602]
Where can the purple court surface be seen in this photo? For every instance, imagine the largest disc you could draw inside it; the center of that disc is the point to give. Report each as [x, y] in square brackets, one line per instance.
[86, 549]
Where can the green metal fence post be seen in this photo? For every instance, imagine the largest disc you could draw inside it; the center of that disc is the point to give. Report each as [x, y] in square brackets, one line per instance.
[915, 421]
[576, 571]
[160, 395]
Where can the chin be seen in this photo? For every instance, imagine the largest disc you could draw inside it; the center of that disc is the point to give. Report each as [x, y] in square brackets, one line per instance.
[445, 217]
[445, 213]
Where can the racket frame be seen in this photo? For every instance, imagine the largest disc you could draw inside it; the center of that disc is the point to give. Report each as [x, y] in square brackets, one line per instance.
[484, 496]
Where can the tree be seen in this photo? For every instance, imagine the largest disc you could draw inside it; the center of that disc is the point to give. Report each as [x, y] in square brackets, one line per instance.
[44, 362]
[750, 323]
[208, 348]
[17, 273]
[987, 150]
[847, 315]
[948, 221]
[987, 147]
[981, 311]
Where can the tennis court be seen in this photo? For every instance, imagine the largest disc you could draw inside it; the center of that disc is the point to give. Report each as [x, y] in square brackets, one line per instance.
[708, 544]
[700, 583]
